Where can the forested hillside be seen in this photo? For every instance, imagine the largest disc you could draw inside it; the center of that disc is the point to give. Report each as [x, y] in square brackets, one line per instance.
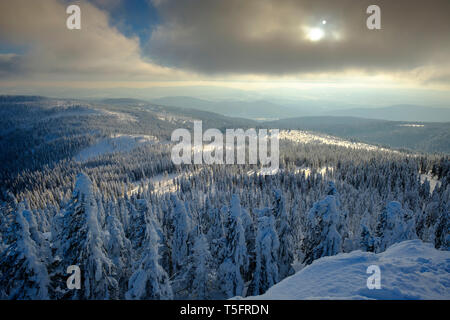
[431, 137]
[141, 227]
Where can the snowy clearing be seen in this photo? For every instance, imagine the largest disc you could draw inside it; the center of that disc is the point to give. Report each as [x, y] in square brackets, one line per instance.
[409, 270]
[413, 125]
[118, 143]
[308, 137]
[161, 183]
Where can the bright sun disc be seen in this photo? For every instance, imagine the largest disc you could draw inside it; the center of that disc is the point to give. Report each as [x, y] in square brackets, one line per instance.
[315, 34]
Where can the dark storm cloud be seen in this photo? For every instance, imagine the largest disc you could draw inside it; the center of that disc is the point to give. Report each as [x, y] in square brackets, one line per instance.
[268, 37]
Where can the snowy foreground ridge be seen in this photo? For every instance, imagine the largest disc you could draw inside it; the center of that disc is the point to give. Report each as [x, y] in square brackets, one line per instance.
[409, 270]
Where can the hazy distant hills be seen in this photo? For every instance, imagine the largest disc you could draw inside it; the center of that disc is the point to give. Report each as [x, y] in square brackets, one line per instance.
[256, 110]
[266, 110]
[398, 113]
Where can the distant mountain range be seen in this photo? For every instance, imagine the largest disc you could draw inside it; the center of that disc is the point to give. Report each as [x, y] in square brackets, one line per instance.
[398, 113]
[266, 110]
[256, 110]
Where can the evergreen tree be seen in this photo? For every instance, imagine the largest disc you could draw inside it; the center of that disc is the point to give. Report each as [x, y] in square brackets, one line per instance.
[267, 250]
[137, 226]
[366, 240]
[119, 251]
[36, 235]
[23, 274]
[80, 243]
[323, 222]
[182, 228]
[200, 275]
[149, 280]
[285, 253]
[216, 233]
[442, 229]
[234, 256]
[395, 224]
[250, 239]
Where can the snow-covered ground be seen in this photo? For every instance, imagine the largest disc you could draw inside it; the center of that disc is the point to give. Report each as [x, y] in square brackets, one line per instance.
[309, 137]
[118, 143]
[161, 184]
[409, 270]
[413, 125]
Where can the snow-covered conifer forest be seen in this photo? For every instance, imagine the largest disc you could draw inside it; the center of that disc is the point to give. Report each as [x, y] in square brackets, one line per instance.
[92, 184]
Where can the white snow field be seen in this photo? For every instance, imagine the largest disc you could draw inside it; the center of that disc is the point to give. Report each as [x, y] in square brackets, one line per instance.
[118, 143]
[409, 270]
[309, 137]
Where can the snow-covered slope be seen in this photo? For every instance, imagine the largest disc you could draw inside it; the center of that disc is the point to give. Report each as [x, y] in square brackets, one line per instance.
[310, 137]
[118, 143]
[409, 270]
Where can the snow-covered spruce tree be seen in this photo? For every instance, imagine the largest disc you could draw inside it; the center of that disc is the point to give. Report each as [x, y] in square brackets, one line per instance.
[216, 233]
[433, 224]
[101, 215]
[245, 220]
[119, 251]
[442, 234]
[395, 224]
[80, 243]
[43, 245]
[285, 252]
[295, 223]
[366, 240]
[167, 234]
[182, 228]
[199, 275]
[136, 230]
[23, 273]
[267, 250]
[442, 226]
[427, 220]
[149, 280]
[142, 215]
[234, 256]
[323, 222]
[250, 238]
[205, 215]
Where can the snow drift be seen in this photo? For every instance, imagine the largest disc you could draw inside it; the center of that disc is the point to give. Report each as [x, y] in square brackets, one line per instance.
[409, 270]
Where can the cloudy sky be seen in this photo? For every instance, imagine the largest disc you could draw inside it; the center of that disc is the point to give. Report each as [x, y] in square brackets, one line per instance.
[245, 45]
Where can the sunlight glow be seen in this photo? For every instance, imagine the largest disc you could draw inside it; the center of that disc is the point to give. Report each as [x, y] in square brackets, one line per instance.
[315, 34]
